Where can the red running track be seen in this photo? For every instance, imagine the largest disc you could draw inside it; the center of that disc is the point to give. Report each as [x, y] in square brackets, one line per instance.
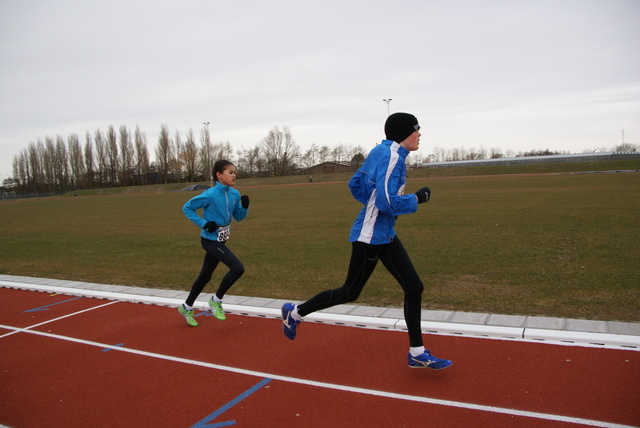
[74, 361]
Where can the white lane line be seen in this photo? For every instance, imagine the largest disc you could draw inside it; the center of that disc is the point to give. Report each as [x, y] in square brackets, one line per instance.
[384, 394]
[56, 319]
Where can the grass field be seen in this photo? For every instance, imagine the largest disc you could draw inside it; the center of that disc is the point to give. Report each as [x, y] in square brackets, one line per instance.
[555, 245]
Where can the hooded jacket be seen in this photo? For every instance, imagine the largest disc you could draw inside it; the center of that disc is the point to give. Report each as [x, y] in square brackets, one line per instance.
[220, 203]
[379, 185]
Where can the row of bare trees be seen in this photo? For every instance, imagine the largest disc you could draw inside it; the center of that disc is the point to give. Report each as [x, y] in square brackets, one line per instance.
[462, 153]
[112, 158]
[278, 154]
[59, 163]
[119, 157]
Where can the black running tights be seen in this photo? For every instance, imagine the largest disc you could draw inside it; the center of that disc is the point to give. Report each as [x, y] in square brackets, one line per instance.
[364, 258]
[215, 252]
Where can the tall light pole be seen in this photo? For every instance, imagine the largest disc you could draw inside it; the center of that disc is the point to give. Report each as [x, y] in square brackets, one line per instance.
[209, 153]
[387, 100]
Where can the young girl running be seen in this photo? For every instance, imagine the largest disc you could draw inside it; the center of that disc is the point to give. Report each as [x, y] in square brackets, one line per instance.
[379, 185]
[219, 205]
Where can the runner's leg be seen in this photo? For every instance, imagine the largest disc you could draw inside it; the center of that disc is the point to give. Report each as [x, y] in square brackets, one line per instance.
[396, 259]
[363, 260]
[222, 253]
[208, 266]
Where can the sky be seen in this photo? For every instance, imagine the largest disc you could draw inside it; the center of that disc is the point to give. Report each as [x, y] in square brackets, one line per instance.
[518, 75]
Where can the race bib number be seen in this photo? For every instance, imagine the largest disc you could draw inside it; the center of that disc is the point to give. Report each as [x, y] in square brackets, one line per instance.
[223, 233]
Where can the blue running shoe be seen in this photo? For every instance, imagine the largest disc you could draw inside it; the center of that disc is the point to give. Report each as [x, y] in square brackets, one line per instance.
[289, 323]
[427, 360]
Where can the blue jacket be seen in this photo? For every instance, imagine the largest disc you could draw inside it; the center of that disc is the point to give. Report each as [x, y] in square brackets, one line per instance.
[379, 185]
[220, 203]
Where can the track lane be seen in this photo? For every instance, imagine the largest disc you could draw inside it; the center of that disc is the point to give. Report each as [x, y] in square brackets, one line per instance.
[486, 372]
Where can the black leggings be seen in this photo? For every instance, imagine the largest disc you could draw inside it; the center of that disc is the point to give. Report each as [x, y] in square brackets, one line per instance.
[364, 258]
[216, 252]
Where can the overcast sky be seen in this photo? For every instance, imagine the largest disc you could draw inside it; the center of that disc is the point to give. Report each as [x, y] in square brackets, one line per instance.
[513, 74]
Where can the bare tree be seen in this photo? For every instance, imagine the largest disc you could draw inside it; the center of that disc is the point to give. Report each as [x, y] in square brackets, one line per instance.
[142, 156]
[324, 154]
[127, 155]
[495, 153]
[76, 161]
[626, 148]
[89, 162]
[48, 156]
[415, 160]
[309, 158]
[175, 161]
[356, 155]
[272, 146]
[457, 154]
[112, 155]
[280, 151]
[163, 152]
[36, 150]
[61, 164]
[21, 171]
[222, 151]
[439, 154]
[340, 153]
[249, 162]
[189, 156]
[205, 154]
[472, 154]
[102, 161]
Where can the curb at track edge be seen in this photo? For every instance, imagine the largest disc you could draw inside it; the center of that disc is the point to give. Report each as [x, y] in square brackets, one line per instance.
[557, 337]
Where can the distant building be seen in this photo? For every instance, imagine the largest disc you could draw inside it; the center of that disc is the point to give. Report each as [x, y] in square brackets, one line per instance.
[581, 157]
[328, 167]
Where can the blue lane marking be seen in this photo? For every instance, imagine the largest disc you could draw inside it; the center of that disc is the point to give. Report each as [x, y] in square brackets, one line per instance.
[205, 422]
[109, 349]
[45, 308]
[222, 424]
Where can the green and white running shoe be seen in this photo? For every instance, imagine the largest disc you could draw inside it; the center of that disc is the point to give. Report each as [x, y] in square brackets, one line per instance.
[216, 309]
[188, 315]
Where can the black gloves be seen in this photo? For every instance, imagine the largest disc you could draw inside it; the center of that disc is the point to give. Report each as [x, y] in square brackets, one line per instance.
[423, 194]
[210, 227]
[244, 199]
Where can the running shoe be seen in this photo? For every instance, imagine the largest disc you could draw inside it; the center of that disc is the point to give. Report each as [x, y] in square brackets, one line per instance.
[188, 315]
[216, 309]
[427, 360]
[289, 323]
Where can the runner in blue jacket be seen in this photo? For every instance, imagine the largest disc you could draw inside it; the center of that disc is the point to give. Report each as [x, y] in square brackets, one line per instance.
[220, 204]
[384, 165]
[379, 185]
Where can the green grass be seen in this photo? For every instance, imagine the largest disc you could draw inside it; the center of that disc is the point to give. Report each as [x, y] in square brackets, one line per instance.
[553, 245]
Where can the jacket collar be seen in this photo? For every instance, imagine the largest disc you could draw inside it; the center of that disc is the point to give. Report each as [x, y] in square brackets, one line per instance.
[404, 152]
[221, 187]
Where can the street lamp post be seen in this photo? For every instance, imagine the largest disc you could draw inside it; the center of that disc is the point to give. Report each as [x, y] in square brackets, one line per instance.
[387, 100]
[209, 154]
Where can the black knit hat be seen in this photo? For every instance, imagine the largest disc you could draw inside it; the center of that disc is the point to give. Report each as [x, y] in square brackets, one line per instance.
[399, 126]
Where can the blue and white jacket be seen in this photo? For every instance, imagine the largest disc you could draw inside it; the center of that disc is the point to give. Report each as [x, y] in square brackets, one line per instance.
[220, 203]
[379, 185]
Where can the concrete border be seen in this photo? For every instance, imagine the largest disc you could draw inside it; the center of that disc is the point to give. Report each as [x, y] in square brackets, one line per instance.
[603, 334]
